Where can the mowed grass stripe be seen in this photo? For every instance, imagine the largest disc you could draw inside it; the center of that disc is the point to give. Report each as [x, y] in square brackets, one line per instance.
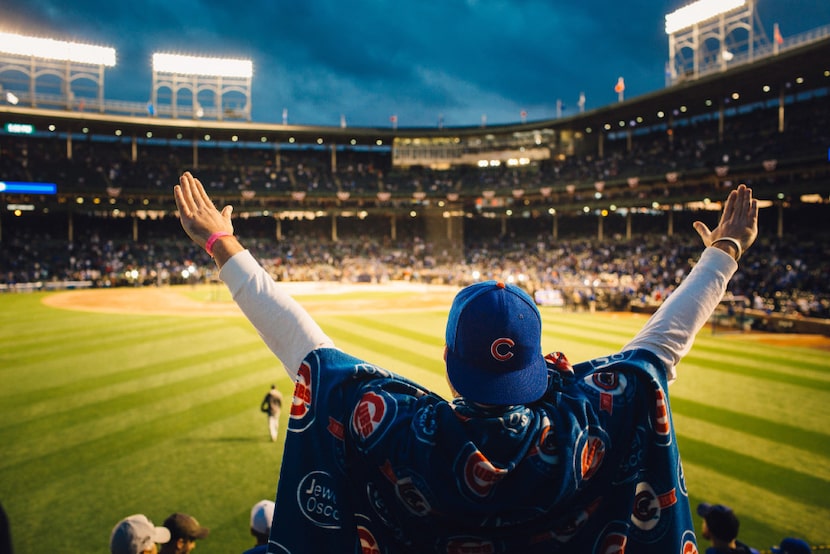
[742, 344]
[85, 371]
[759, 398]
[78, 422]
[760, 364]
[766, 516]
[418, 361]
[762, 428]
[136, 431]
[809, 489]
[808, 459]
[344, 331]
[57, 331]
[105, 337]
[394, 325]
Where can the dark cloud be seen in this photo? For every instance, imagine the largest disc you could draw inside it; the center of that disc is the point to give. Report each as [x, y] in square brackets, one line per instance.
[454, 59]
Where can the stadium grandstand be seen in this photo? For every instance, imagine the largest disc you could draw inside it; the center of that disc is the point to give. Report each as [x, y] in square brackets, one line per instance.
[568, 207]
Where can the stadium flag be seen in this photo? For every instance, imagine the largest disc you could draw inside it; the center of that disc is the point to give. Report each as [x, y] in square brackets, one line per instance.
[342, 121]
[488, 194]
[619, 88]
[672, 176]
[298, 195]
[419, 195]
[770, 165]
[722, 170]
[113, 192]
[518, 193]
[151, 110]
[343, 195]
[546, 191]
[523, 115]
[581, 102]
[394, 119]
[248, 194]
[570, 188]
[384, 196]
[633, 182]
[599, 185]
[777, 34]
[452, 196]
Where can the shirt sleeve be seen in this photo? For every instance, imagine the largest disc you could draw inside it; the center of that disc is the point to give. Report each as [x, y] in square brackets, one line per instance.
[671, 330]
[287, 329]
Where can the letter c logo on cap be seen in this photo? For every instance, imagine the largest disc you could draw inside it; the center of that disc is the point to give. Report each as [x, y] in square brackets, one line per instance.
[500, 349]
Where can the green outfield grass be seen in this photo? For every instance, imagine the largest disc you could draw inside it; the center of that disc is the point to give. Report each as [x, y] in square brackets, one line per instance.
[103, 416]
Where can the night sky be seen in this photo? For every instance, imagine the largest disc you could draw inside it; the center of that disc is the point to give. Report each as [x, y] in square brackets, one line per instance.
[425, 61]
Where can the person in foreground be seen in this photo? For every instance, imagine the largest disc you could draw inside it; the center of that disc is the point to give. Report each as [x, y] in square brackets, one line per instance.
[531, 455]
[720, 527]
[137, 535]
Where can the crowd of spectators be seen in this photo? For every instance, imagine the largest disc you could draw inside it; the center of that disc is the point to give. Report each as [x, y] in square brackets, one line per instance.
[692, 150]
[779, 275]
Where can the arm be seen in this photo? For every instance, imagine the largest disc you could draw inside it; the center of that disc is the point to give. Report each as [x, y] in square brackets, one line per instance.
[670, 332]
[287, 329]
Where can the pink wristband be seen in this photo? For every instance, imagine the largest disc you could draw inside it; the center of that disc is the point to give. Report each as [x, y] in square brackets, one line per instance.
[213, 238]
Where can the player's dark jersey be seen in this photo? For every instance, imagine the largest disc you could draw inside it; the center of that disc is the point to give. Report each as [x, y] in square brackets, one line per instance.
[374, 463]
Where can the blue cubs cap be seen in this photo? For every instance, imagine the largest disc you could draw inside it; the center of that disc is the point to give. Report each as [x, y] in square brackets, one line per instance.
[792, 546]
[721, 520]
[494, 345]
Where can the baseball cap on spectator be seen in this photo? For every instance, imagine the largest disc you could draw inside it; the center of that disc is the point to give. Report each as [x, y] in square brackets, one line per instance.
[720, 520]
[494, 345]
[184, 526]
[135, 534]
[262, 514]
[792, 546]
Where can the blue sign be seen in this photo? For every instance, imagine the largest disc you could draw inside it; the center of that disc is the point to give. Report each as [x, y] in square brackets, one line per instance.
[27, 188]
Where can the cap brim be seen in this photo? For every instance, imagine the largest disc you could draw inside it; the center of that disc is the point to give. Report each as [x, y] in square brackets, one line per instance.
[499, 388]
[703, 509]
[161, 535]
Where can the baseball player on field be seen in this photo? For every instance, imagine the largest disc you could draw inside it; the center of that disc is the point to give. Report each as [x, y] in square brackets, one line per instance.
[532, 454]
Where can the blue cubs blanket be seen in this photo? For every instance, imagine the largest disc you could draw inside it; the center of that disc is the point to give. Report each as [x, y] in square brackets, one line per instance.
[376, 464]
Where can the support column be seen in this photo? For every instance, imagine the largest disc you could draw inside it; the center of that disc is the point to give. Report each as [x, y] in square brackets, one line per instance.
[278, 230]
[628, 225]
[670, 230]
[393, 227]
[334, 227]
[70, 227]
[780, 229]
[135, 228]
[555, 227]
[600, 227]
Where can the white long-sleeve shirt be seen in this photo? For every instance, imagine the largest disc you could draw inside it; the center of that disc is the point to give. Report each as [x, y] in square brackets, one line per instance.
[290, 332]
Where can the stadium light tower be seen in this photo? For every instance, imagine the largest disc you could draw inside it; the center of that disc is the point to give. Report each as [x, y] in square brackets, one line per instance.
[714, 34]
[68, 61]
[195, 74]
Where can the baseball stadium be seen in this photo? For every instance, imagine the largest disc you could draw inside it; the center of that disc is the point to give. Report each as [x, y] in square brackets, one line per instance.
[131, 379]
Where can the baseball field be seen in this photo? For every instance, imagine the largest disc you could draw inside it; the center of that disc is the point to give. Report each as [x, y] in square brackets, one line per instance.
[115, 402]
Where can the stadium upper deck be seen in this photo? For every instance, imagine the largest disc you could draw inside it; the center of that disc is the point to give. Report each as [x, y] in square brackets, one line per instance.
[763, 123]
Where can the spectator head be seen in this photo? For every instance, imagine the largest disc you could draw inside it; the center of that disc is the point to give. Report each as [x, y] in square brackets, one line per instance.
[792, 546]
[136, 535]
[720, 522]
[262, 514]
[184, 531]
[494, 345]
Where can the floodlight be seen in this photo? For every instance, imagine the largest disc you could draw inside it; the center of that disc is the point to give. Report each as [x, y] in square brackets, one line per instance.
[697, 12]
[51, 49]
[195, 65]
